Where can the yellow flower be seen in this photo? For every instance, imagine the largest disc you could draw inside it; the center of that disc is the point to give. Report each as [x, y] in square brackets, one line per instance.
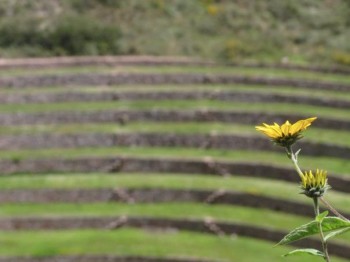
[286, 134]
[314, 184]
[212, 10]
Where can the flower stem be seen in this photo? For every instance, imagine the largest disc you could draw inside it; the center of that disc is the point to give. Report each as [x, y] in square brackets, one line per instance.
[324, 243]
[294, 157]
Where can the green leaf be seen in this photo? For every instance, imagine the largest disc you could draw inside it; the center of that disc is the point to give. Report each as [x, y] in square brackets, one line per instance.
[336, 233]
[334, 223]
[328, 224]
[321, 216]
[309, 251]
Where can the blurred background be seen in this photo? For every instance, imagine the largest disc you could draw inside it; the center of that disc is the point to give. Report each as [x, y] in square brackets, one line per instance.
[127, 127]
[298, 31]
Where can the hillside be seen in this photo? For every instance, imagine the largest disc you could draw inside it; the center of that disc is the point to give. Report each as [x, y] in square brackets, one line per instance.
[153, 159]
[303, 31]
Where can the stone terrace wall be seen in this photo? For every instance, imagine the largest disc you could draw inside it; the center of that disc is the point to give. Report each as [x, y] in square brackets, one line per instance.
[73, 96]
[207, 166]
[152, 61]
[203, 226]
[124, 116]
[230, 142]
[157, 79]
[146, 195]
[96, 258]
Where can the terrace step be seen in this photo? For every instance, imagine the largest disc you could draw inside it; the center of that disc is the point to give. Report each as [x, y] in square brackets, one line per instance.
[208, 226]
[155, 195]
[153, 61]
[101, 258]
[160, 165]
[92, 79]
[99, 61]
[229, 142]
[125, 116]
[234, 96]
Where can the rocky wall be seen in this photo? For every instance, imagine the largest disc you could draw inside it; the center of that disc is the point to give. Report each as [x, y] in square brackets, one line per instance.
[146, 195]
[232, 96]
[124, 116]
[207, 166]
[152, 61]
[208, 226]
[97, 258]
[157, 79]
[203, 141]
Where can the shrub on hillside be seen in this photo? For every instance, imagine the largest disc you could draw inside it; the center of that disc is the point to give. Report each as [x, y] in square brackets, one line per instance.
[78, 36]
[342, 58]
[73, 35]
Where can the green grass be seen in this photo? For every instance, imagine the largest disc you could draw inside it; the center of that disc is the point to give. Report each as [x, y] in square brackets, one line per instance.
[333, 165]
[168, 243]
[316, 135]
[179, 105]
[187, 28]
[256, 72]
[254, 89]
[255, 186]
[222, 213]
[245, 71]
[137, 242]
[291, 74]
[67, 70]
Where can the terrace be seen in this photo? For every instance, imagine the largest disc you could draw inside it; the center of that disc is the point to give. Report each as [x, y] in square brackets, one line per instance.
[158, 160]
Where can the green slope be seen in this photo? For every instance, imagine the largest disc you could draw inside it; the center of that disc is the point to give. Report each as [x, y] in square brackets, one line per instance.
[257, 30]
[136, 242]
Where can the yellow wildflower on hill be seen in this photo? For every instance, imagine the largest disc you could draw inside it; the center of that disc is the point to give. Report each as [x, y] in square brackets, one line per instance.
[314, 184]
[286, 134]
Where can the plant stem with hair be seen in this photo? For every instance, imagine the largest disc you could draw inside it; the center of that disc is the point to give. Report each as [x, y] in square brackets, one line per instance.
[294, 157]
[323, 241]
